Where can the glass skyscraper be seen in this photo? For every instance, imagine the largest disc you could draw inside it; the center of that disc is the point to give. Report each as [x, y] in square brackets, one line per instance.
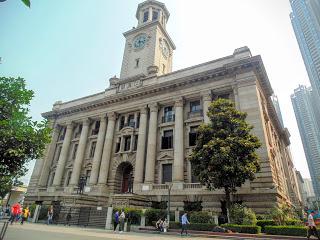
[304, 109]
[305, 18]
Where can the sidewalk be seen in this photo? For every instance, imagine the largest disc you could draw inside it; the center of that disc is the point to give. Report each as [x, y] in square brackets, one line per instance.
[222, 235]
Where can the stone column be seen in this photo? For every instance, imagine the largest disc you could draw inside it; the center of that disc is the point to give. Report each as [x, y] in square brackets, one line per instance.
[206, 99]
[98, 151]
[63, 156]
[178, 142]
[107, 150]
[77, 165]
[141, 147]
[152, 144]
[48, 158]
[236, 96]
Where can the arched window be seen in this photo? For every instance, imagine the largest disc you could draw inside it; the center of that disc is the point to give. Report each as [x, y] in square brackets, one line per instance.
[145, 16]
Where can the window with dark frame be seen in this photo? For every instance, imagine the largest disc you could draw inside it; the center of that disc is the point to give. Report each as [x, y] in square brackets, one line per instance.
[121, 125]
[131, 122]
[138, 121]
[135, 143]
[195, 106]
[57, 154]
[163, 69]
[168, 114]
[127, 142]
[118, 145]
[68, 178]
[166, 173]
[155, 15]
[75, 148]
[92, 149]
[88, 174]
[146, 16]
[62, 133]
[193, 134]
[96, 128]
[167, 139]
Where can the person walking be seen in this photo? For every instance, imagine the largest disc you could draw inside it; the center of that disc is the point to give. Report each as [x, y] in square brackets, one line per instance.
[50, 215]
[184, 223]
[25, 215]
[116, 221]
[15, 211]
[312, 230]
[121, 220]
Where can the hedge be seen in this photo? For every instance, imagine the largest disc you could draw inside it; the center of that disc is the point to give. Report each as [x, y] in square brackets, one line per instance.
[286, 230]
[154, 215]
[194, 226]
[242, 228]
[200, 217]
[263, 223]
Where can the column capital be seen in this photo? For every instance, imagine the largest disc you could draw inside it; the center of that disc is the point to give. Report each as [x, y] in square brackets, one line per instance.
[179, 102]
[154, 107]
[206, 95]
[86, 122]
[69, 124]
[144, 109]
[112, 116]
[103, 118]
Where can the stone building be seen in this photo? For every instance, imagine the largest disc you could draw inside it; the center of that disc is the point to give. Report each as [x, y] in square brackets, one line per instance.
[142, 128]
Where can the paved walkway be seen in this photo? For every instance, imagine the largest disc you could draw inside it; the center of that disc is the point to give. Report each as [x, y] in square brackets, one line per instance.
[31, 231]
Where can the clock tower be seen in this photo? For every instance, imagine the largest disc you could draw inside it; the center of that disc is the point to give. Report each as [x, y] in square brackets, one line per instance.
[148, 48]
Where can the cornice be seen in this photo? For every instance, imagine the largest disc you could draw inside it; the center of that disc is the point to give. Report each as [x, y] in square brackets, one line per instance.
[216, 74]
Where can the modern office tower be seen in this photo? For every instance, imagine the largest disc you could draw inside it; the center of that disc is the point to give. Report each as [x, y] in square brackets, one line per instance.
[307, 187]
[276, 105]
[306, 24]
[303, 105]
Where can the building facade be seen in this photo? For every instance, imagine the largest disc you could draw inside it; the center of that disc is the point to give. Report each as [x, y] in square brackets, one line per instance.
[305, 18]
[304, 109]
[142, 128]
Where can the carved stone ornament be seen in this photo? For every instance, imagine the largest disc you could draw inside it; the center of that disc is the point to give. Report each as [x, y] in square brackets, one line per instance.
[154, 107]
[112, 116]
[144, 110]
[130, 85]
[152, 70]
[207, 96]
[179, 102]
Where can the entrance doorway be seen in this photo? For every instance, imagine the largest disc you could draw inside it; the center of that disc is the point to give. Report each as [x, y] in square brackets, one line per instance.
[124, 178]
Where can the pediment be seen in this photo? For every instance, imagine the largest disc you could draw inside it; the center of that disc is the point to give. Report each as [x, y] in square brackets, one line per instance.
[166, 155]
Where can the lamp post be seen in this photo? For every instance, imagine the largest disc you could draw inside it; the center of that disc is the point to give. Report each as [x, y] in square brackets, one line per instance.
[169, 191]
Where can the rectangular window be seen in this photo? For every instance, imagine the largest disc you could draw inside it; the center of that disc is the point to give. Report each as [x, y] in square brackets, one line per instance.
[138, 121]
[167, 140]
[75, 148]
[57, 153]
[166, 173]
[88, 174]
[163, 69]
[137, 62]
[96, 128]
[146, 16]
[78, 131]
[224, 96]
[131, 122]
[62, 133]
[195, 106]
[135, 145]
[118, 145]
[92, 149]
[168, 114]
[155, 15]
[127, 142]
[121, 124]
[193, 135]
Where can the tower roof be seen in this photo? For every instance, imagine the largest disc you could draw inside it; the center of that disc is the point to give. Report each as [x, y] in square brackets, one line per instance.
[152, 2]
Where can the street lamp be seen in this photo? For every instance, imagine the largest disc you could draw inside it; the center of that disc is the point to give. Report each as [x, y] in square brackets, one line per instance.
[169, 190]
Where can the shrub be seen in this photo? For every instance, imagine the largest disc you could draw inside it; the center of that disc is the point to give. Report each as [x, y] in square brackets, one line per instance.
[243, 228]
[194, 226]
[200, 217]
[282, 214]
[262, 217]
[242, 215]
[286, 230]
[154, 215]
[132, 214]
[32, 209]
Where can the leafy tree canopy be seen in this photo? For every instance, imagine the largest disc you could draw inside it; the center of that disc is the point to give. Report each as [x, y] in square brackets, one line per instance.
[224, 155]
[21, 138]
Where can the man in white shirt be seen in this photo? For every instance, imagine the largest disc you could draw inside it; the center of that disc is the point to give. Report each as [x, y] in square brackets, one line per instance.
[312, 230]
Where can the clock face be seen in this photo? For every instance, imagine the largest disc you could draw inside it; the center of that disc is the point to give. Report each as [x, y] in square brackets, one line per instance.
[140, 41]
[164, 48]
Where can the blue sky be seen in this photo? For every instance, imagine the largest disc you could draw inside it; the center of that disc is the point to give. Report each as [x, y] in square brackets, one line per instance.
[66, 49]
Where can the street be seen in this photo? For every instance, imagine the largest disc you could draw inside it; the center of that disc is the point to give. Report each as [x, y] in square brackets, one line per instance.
[30, 231]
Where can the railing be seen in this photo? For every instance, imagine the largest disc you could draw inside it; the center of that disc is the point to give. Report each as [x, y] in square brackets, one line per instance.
[192, 186]
[168, 118]
[198, 113]
[160, 186]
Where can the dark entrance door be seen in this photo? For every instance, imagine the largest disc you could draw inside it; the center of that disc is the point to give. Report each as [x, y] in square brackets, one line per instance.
[127, 174]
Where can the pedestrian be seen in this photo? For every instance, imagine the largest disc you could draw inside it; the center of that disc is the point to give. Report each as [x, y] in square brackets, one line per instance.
[15, 211]
[116, 220]
[122, 217]
[312, 230]
[165, 225]
[68, 218]
[159, 225]
[50, 215]
[184, 223]
[25, 215]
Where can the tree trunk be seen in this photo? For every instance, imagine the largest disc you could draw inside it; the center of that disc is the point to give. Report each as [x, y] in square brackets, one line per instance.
[228, 202]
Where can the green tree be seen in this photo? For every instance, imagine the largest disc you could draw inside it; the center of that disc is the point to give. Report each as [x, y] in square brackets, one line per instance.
[21, 138]
[224, 156]
[242, 215]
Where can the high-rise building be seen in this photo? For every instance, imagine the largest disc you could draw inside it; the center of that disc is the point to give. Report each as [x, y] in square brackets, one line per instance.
[307, 187]
[137, 135]
[276, 105]
[306, 24]
[304, 109]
